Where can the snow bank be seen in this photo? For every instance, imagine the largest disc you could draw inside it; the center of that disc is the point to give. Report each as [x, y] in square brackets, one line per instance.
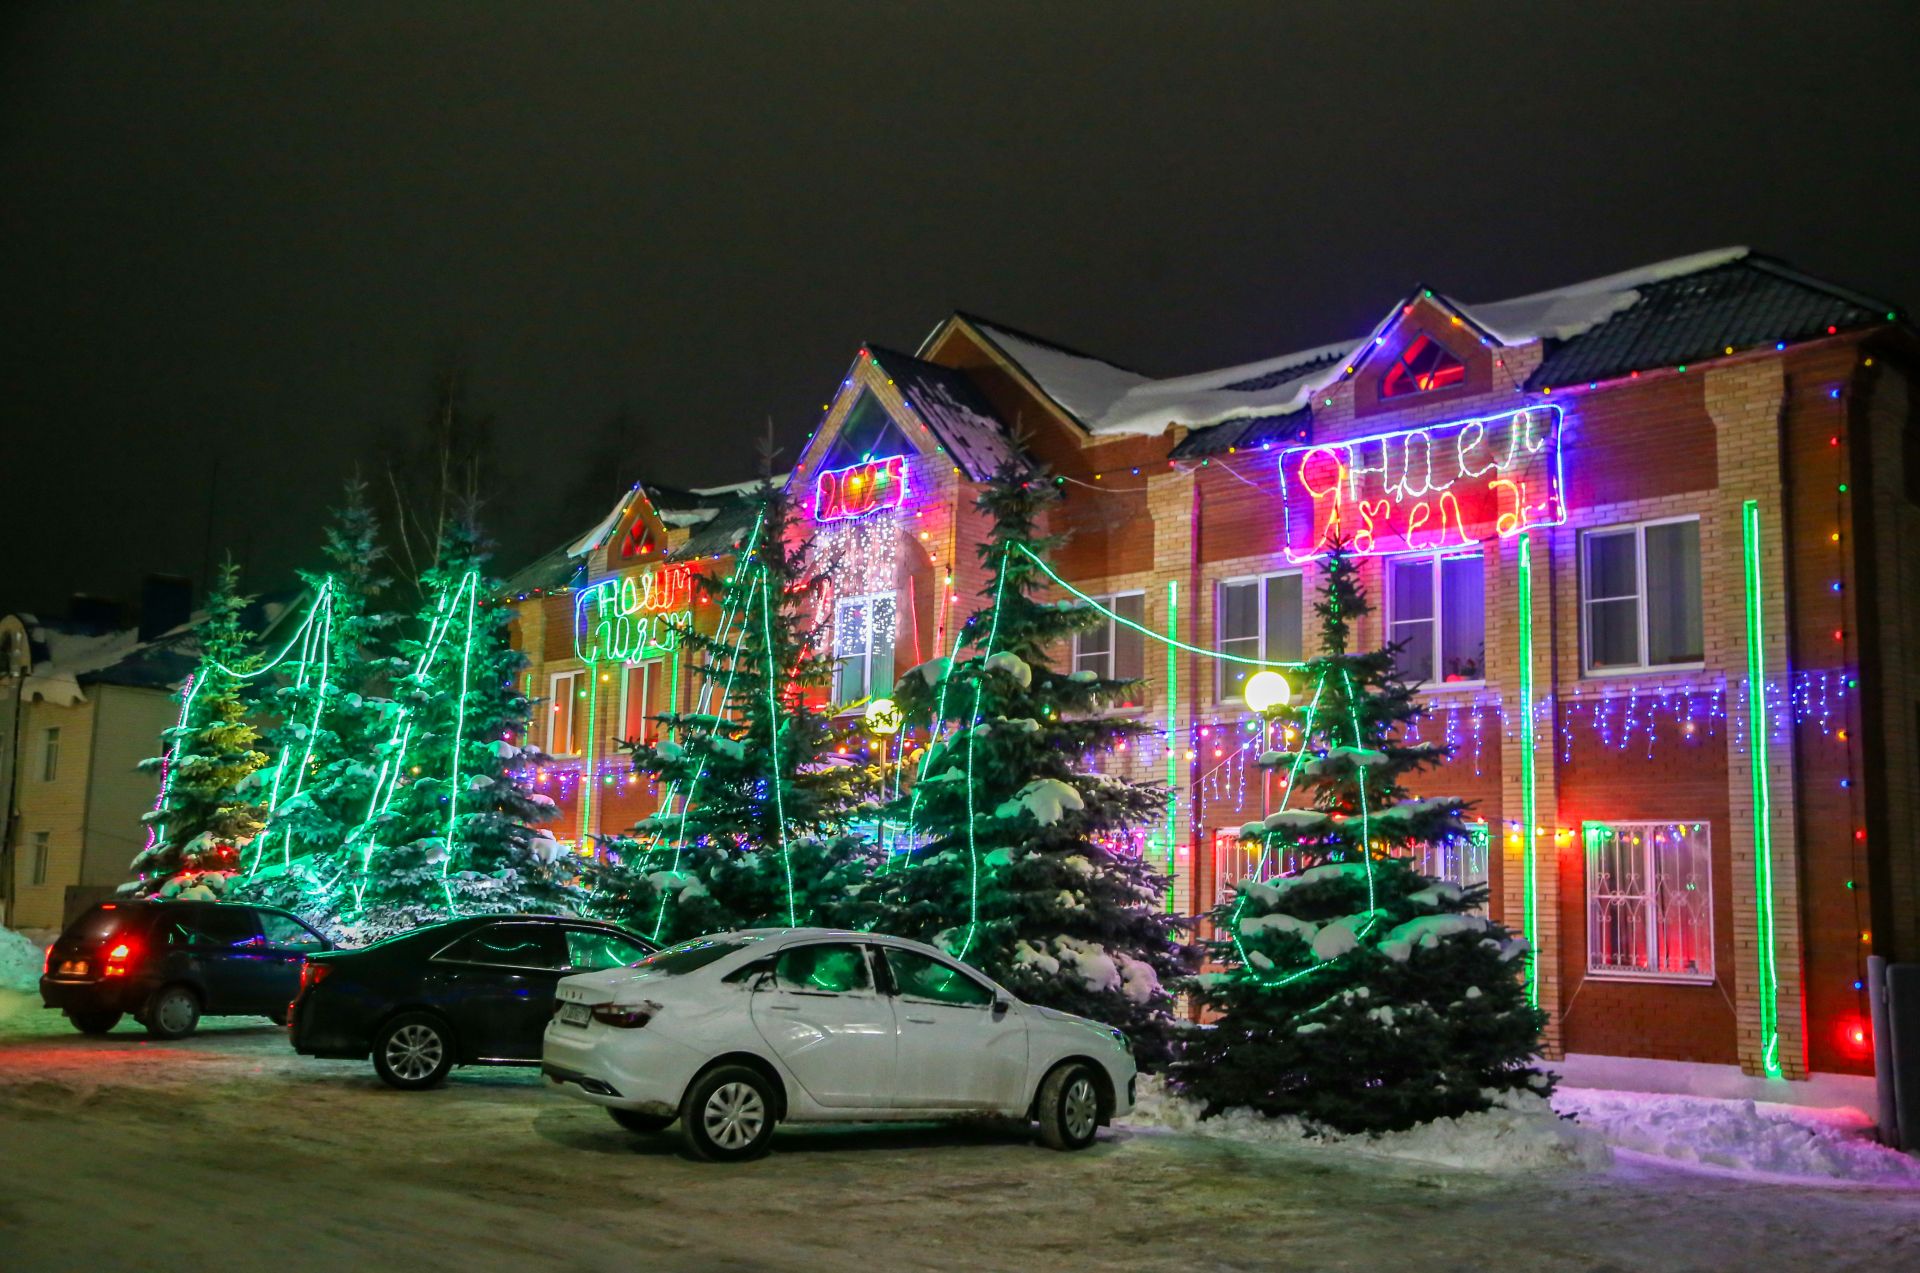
[20, 961]
[1745, 1136]
[1519, 1134]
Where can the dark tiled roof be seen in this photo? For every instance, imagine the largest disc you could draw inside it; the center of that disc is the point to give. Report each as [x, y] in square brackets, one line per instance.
[546, 573]
[1745, 303]
[722, 533]
[953, 408]
[1281, 375]
[159, 666]
[1249, 434]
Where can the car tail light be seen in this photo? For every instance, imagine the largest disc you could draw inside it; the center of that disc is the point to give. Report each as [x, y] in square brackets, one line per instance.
[312, 974]
[624, 1016]
[117, 960]
[46, 964]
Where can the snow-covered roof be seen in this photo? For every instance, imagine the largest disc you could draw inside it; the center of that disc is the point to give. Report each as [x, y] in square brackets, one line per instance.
[1110, 400]
[1566, 312]
[605, 527]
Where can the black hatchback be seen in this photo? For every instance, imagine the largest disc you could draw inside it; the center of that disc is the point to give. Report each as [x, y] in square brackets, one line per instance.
[171, 963]
[474, 991]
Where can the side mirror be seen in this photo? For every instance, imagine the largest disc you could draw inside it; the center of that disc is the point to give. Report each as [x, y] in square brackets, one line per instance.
[1000, 1008]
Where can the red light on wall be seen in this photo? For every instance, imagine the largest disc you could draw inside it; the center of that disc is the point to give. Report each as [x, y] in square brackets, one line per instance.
[1856, 1037]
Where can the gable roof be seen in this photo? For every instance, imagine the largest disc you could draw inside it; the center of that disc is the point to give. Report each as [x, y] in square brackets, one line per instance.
[1741, 303]
[1084, 387]
[960, 418]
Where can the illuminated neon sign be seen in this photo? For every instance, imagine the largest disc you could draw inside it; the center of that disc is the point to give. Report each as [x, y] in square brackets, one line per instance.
[859, 490]
[630, 617]
[1425, 490]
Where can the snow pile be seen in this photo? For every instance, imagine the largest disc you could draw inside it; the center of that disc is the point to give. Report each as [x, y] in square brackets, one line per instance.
[20, 961]
[1742, 1135]
[1520, 1133]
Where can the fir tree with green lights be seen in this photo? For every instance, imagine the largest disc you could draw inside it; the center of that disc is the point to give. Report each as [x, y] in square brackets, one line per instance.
[1356, 992]
[331, 716]
[210, 805]
[453, 830]
[758, 831]
[1024, 861]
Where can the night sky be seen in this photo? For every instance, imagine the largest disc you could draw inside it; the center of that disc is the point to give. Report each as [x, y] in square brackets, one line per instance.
[239, 243]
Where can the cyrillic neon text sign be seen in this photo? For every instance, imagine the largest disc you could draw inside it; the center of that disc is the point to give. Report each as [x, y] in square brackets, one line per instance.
[1424, 490]
[859, 490]
[628, 618]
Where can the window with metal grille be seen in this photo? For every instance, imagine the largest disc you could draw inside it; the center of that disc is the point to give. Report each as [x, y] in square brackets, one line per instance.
[1650, 900]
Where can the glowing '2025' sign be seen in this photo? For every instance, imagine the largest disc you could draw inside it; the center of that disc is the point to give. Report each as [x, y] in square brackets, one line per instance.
[859, 490]
[629, 617]
[1422, 490]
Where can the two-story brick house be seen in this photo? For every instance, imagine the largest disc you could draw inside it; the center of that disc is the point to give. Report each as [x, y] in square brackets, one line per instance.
[1638, 540]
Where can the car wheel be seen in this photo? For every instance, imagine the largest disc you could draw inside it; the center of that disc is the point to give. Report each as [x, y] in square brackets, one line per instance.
[413, 1051]
[95, 1021]
[639, 1121]
[172, 1013]
[1069, 1107]
[727, 1115]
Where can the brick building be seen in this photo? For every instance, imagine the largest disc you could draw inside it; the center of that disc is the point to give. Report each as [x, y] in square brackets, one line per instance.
[1638, 538]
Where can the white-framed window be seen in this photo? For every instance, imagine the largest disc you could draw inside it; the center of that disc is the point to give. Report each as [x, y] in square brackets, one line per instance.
[1110, 649]
[1650, 900]
[50, 755]
[643, 690]
[1256, 618]
[566, 712]
[863, 633]
[1437, 615]
[1640, 597]
[40, 849]
[1461, 860]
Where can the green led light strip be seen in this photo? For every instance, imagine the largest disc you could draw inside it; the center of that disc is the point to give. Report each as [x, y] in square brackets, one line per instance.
[323, 634]
[592, 745]
[303, 636]
[769, 591]
[460, 733]
[1757, 732]
[973, 732]
[1167, 639]
[1173, 725]
[1529, 811]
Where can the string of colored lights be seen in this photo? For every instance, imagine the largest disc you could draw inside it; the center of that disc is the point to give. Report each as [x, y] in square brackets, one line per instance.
[1762, 791]
[1529, 811]
[1173, 707]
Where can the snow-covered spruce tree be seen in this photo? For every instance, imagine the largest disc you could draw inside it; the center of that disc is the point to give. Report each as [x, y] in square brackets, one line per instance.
[330, 710]
[210, 810]
[1358, 993]
[759, 830]
[452, 831]
[1019, 870]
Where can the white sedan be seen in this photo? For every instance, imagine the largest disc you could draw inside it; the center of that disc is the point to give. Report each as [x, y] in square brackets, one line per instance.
[734, 1033]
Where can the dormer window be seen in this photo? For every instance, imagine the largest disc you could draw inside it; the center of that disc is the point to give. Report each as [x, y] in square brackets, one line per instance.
[1423, 365]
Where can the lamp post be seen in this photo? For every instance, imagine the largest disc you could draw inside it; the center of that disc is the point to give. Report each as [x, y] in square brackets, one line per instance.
[882, 720]
[1266, 693]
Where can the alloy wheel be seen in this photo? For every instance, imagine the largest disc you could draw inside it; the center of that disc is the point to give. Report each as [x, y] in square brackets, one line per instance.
[734, 1115]
[414, 1052]
[1082, 1109]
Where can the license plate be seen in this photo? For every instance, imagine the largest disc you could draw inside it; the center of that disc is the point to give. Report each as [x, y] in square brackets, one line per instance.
[73, 968]
[575, 1014]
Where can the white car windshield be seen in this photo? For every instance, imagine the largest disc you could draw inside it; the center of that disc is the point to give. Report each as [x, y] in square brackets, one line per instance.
[692, 955]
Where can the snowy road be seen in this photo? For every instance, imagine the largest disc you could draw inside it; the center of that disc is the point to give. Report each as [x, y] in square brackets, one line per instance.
[226, 1151]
